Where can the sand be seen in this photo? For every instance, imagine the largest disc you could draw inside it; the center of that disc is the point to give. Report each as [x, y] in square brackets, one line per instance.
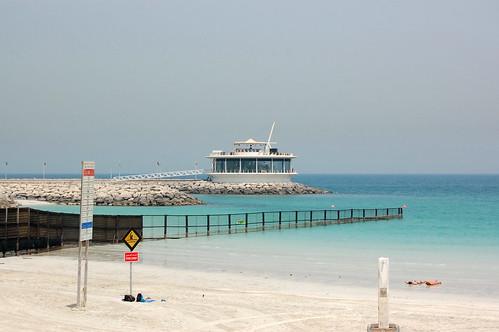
[38, 294]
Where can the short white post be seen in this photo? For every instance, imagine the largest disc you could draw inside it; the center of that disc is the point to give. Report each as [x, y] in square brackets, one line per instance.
[130, 278]
[383, 324]
[383, 317]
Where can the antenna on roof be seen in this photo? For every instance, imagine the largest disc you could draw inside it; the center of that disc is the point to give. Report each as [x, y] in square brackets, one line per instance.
[267, 146]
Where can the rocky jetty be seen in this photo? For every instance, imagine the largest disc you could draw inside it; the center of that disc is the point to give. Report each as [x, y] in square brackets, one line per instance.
[140, 193]
[6, 201]
[207, 187]
[106, 192]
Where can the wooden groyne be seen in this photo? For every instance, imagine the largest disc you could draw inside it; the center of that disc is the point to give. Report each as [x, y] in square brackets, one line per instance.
[26, 230]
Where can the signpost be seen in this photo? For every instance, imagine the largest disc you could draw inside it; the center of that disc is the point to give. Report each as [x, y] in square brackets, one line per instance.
[86, 225]
[131, 239]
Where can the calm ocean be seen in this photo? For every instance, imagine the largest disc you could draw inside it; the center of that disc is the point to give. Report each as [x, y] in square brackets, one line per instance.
[450, 231]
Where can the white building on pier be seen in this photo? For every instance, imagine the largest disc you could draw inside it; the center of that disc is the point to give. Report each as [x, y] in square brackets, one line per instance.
[252, 162]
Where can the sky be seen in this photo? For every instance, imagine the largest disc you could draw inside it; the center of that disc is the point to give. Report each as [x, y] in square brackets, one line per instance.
[354, 86]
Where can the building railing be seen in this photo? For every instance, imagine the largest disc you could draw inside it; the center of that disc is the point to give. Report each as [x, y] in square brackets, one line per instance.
[288, 171]
[180, 226]
[255, 153]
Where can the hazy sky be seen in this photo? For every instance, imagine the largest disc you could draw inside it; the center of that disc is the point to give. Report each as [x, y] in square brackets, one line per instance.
[354, 86]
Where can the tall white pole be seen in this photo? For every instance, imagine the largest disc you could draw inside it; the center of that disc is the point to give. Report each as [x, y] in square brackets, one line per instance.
[85, 277]
[267, 146]
[85, 227]
[78, 284]
[383, 268]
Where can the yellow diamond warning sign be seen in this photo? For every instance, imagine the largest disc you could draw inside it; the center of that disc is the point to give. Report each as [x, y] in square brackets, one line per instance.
[132, 239]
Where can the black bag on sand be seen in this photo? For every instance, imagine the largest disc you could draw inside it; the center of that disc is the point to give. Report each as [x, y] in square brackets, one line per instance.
[129, 298]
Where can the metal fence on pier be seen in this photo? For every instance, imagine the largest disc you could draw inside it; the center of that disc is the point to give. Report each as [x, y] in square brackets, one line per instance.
[179, 226]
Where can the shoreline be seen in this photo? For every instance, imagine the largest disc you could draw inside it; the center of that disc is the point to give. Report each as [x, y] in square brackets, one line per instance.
[214, 301]
[344, 270]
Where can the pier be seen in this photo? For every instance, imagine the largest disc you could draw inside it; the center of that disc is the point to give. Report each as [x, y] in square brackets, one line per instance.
[27, 230]
[180, 226]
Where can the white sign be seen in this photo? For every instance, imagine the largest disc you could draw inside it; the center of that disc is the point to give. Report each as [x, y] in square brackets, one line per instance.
[87, 200]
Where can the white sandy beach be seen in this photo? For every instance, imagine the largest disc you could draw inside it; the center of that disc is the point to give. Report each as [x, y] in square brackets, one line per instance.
[38, 294]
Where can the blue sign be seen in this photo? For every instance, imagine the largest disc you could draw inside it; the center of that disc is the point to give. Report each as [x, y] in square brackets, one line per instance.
[86, 225]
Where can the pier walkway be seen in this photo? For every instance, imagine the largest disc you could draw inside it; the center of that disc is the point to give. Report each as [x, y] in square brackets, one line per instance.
[26, 230]
[159, 175]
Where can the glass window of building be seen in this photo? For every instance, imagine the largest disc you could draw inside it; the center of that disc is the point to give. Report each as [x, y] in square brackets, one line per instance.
[232, 165]
[278, 166]
[220, 165]
[287, 165]
[248, 165]
[264, 166]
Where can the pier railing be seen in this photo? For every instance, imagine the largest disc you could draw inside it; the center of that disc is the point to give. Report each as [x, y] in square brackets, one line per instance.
[180, 226]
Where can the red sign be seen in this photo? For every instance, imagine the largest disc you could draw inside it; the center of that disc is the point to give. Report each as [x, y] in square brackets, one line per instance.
[132, 256]
[88, 172]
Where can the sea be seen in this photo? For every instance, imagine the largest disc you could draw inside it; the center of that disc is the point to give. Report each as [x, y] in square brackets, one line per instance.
[450, 232]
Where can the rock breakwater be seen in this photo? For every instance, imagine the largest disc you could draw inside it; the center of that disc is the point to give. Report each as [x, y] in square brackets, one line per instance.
[139, 193]
[6, 201]
[106, 193]
[207, 187]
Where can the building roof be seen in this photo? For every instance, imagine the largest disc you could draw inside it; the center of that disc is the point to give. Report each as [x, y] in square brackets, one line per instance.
[252, 141]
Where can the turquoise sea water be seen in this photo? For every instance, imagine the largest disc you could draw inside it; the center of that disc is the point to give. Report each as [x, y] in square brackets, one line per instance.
[450, 231]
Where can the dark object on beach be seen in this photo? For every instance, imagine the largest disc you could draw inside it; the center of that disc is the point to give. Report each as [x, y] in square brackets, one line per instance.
[415, 282]
[129, 298]
[140, 298]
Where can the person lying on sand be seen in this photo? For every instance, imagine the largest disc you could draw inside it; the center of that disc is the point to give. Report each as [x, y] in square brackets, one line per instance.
[140, 298]
[430, 282]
